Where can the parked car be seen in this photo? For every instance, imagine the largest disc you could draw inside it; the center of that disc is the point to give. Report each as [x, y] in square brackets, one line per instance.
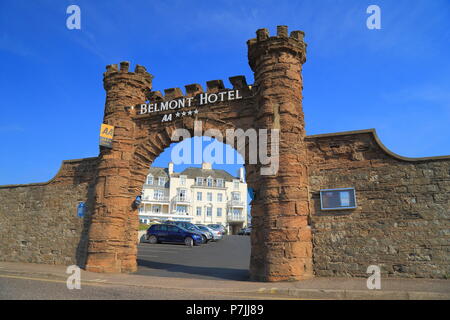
[245, 231]
[145, 226]
[193, 228]
[218, 227]
[216, 234]
[171, 233]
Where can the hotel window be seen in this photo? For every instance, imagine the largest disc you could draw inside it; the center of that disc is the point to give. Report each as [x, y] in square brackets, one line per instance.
[181, 209]
[183, 181]
[199, 211]
[161, 181]
[158, 195]
[219, 212]
[219, 197]
[150, 179]
[219, 183]
[156, 209]
[236, 196]
[236, 184]
[182, 195]
[208, 211]
[209, 182]
[209, 196]
[199, 181]
[199, 196]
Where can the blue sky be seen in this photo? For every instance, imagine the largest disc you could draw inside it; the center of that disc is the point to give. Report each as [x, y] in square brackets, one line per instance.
[395, 79]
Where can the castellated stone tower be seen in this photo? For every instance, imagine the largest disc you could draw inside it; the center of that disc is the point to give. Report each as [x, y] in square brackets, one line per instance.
[281, 241]
[113, 231]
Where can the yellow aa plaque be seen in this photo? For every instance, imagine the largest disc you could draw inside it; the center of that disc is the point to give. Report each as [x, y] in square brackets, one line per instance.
[106, 135]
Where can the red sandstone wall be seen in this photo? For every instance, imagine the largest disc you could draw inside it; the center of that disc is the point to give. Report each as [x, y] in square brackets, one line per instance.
[39, 223]
[402, 221]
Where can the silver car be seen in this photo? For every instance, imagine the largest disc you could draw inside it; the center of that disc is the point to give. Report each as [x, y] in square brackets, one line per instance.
[216, 234]
[218, 227]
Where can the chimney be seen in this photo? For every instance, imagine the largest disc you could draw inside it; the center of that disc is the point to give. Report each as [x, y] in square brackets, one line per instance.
[170, 167]
[241, 174]
[206, 165]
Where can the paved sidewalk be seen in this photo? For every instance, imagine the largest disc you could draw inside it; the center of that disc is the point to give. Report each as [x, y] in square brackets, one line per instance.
[317, 288]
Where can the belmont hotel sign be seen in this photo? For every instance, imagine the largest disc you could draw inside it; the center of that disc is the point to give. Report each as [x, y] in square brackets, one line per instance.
[199, 100]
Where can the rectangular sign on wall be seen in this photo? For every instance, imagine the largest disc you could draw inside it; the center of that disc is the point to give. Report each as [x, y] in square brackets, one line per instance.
[106, 135]
[337, 199]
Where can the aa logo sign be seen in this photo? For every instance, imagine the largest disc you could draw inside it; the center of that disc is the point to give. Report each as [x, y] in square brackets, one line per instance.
[106, 135]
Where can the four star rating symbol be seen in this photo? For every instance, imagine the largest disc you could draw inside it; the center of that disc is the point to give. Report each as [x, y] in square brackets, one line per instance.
[189, 113]
[178, 114]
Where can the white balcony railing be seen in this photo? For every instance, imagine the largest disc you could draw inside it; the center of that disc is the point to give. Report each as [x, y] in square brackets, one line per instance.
[163, 214]
[236, 203]
[157, 199]
[184, 199]
[152, 213]
[235, 217]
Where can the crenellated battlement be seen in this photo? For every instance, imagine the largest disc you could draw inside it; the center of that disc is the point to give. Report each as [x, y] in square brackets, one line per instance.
[116, 73]
[282, 33]
[124, 68]
[194, 89]
[264, 43]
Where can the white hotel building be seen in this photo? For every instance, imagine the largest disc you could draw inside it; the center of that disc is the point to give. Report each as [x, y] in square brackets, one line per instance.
[198, 195]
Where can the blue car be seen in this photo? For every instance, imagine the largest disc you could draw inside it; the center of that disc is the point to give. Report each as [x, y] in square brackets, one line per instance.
[193, 228]
[172, 233]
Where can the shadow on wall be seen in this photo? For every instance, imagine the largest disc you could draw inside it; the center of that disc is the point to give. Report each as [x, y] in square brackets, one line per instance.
[79, 177]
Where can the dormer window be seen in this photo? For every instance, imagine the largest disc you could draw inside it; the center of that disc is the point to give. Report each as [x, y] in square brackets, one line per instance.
[209, 182]
[219, 183]
[199, 181]
[149, 179]
[161, 181]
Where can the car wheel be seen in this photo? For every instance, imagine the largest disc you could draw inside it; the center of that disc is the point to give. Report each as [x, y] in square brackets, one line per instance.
[205, 240]
[153, 239]
[189, 241]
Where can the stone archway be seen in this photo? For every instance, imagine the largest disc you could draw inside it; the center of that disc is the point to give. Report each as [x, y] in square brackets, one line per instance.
[281, 237]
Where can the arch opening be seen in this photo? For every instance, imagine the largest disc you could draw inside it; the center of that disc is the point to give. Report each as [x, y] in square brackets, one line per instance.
[196, 183]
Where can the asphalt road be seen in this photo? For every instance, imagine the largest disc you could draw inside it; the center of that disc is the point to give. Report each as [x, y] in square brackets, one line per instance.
[21, 288]
[227, 259]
